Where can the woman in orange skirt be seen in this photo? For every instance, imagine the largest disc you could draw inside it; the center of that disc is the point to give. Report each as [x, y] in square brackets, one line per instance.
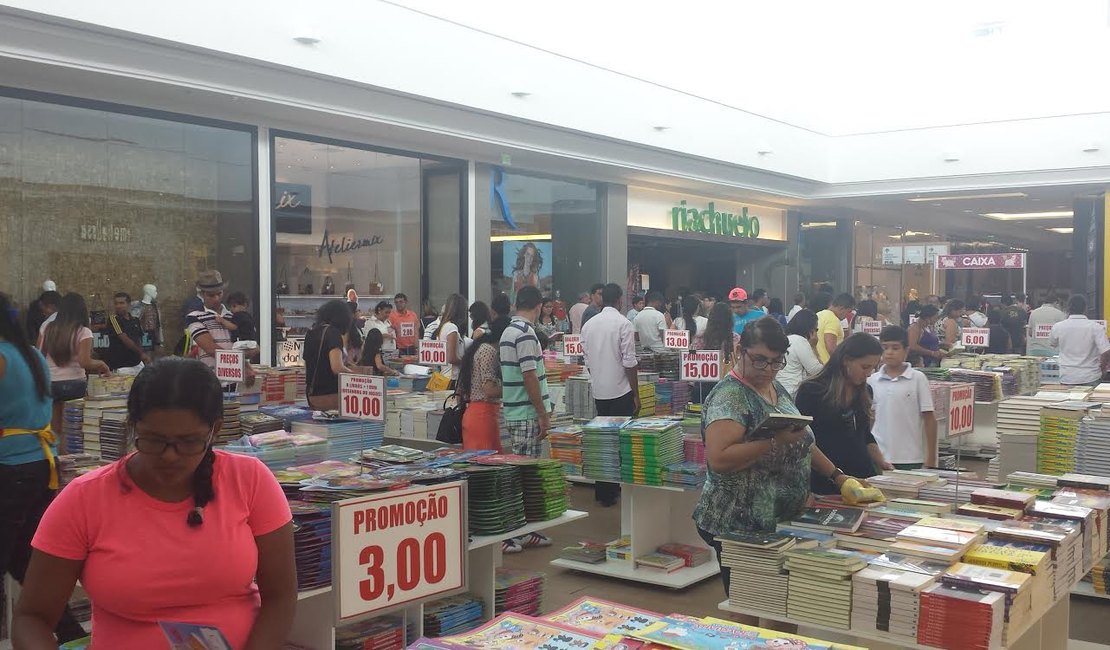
[480, 385]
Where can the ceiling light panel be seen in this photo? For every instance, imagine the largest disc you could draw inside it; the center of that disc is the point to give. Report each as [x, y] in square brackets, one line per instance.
[1028, 216]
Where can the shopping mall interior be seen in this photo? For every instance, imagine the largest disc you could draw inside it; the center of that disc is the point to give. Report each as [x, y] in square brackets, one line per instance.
[432, 149]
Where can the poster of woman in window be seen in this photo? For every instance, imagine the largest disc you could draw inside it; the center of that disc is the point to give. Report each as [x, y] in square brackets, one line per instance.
[527, 263]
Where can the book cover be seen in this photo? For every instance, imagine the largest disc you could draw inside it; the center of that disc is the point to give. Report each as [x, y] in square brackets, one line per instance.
[519, 632]
[187, 636]
[988, 511]
[930, 536]
[1004, 557]
[754, 539]
[715, 634]
[603, 617]
[932, 552]
[830, 519]
[775, 422]
[984, 577]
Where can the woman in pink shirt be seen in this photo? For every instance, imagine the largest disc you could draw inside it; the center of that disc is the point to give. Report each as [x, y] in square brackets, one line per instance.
[176, 532]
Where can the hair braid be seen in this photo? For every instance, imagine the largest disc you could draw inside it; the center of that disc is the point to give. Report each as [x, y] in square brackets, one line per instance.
[203, 490]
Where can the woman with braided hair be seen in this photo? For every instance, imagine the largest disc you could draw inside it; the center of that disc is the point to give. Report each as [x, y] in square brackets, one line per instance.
[174, 532]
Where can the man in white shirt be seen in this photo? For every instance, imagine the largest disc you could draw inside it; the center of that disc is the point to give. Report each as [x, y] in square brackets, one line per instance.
[1082, 345]
[575, 312]
[1047, 314]
[799, 305]
[760, 300]
[637, 305]
[650, 323]
[905, 426]
[609, 345]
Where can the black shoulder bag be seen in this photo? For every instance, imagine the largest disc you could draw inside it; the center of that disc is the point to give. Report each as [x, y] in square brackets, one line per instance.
[450, 427]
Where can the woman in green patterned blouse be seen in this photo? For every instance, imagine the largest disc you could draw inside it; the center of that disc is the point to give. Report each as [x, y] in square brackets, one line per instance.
[754, 484]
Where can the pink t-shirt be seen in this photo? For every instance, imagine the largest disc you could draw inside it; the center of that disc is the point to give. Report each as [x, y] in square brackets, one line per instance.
[144, 564]
[71, 371]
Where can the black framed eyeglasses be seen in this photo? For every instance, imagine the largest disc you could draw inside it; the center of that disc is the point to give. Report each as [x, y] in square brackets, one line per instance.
[158, 446]
[759, 363]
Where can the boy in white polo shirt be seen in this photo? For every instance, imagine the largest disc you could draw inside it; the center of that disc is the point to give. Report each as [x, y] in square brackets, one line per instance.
[905, 425]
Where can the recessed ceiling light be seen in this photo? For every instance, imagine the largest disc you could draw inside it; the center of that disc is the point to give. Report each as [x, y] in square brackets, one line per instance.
[1090, 147]
[1062, 231]
[661, 128]
[520, 94]
[969, 211]
[951, 156]
[962, 197]
[306, 40]
[819, 224]
[1022, 216]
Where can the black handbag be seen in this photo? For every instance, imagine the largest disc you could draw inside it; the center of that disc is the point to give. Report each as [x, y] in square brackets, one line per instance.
[450, 427]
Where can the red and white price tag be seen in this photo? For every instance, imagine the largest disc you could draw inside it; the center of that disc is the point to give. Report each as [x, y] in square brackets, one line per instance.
[362, 397]
[408, 330]
[700, 365]
[433, 353]
[873, 327]
[229, 366]
[976, 337]
[572, 345]
[961, 409]
[396, 548]
[1042, 331]
[676, 339]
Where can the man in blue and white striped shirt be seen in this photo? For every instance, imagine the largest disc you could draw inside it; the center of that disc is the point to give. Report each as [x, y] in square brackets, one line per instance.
[524, 399]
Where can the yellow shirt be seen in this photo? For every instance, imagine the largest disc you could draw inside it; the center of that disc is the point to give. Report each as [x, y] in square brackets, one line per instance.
[827, 323]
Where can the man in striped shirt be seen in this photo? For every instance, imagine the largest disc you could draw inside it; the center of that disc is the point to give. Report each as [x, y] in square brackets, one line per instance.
[207, 327]
[525, 401]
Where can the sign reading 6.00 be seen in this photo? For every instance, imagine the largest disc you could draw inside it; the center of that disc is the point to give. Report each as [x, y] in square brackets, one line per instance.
[396, 548]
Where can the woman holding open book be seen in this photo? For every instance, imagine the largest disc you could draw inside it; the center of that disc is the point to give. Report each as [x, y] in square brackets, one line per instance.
[758, 448]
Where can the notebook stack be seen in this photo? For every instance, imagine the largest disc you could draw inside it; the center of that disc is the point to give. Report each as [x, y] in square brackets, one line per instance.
[647, 447]
[113, 434]
[924, 506]
[90, 423]
[601, 448]
[1056, 446]
[545, 489]
[1099, 577]
[898, 487]
[820, 585]
[1068, 506]
[958, 617]
[692, 556]
[1014, 556]
[1092, 448]
[888, 600]
[945, 540]
[312, 543]
[252, 423]
[579, 398]
[452, 615]
[660, 563]
[646, 390]
[875, 534]
[988, 385]
[1014, 585]
[70, 466]
[346, 438]
[663, 390]
[1004, 498]
[248, 402]
[685, 475]
[518, 591]
[566, 447]
[381, 633]
[693, 447]
[587, 552]
[760, 559]
[231, 428]
[666, 364]
[414, 422]
[73, 417]
[1019, 427]
[495, 495]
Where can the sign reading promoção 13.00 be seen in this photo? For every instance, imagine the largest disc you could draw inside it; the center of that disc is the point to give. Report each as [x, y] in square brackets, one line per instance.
[711, 221]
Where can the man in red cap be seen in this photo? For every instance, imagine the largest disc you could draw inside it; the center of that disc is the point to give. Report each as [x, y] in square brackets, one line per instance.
[742, 314]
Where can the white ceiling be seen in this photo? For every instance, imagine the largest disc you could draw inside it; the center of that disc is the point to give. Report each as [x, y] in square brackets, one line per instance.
[837, 68]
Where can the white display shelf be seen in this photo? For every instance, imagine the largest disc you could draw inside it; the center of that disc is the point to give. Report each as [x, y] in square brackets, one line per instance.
[1083, 588]
[581, 480]
[313, 593]
[653, 516]
[626, 571]
[534, 527]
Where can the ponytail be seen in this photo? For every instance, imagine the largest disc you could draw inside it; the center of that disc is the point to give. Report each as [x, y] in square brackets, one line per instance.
[203, 491]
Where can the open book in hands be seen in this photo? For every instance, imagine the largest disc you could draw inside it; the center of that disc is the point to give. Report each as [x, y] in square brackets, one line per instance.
[776, 422]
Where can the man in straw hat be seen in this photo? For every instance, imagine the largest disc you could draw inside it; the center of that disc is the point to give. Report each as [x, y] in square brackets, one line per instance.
[206, 327]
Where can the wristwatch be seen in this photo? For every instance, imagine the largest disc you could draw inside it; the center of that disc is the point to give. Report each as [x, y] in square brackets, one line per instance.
[835, 473]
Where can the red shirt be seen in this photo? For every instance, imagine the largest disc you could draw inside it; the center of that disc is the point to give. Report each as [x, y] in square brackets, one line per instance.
[144, 564]
[407, 327]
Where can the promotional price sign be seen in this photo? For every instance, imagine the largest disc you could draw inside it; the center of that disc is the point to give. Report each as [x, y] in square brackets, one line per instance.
[1042, 331]
[408, 330]
[976, 337]
[700, 365]
[291, 353]
[229, 366]
[572, 345]
[961, 409]
[873, 327]
[396, 548]
[676, 339]
[433, 353]
[362, 397]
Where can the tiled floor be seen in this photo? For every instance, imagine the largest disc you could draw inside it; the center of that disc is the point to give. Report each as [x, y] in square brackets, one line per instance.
[1089, 617]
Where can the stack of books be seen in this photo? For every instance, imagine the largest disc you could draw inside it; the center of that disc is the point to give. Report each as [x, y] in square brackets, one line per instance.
[601, 448]
[90, 423]
[1015, 586]
[113, 434]
[382, 633]
[1005, 498]
[1065, 546]
[73, 417]
[660, 562]
[1018, 427]
[958, 617]
[888, 600]
[566, 447]
[820, 585]
[691, 555]
[938, 539]
[646, 390]
[1099, 577]
[252, 423]
[999, 554]
[1056, 446]
[587, 552]
[311, 543]
[898, 487]
[230, 430]
[451, 615]
[1065, 507]
[921, 505]
[579, 398]
[685, 475]
[620, 549]
[759, 559]
[988, 385]
[603, 617]
[876, 533]
[647, 447]
[830, 519]
[997, 513]
[518, 591]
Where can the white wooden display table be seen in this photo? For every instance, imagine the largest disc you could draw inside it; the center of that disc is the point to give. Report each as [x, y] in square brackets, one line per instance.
[314, 620]
[653, 516]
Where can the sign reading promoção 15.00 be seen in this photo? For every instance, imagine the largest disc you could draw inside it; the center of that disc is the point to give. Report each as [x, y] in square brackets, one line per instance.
[714, 222]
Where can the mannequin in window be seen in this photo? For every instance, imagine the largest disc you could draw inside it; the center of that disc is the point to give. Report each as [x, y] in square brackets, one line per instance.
[150, 318]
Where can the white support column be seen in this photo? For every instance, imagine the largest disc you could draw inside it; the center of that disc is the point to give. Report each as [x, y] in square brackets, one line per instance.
[471, 230]
[265, 249]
